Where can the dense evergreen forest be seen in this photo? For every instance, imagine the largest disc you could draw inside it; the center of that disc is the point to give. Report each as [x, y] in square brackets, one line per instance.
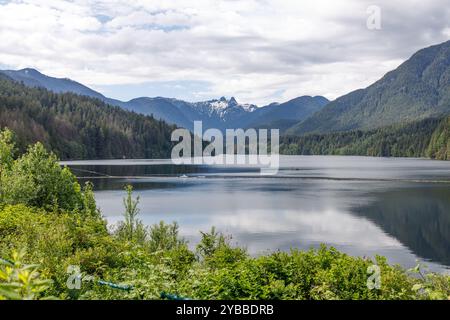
[79, 127]
[439, 147]
[426, 138]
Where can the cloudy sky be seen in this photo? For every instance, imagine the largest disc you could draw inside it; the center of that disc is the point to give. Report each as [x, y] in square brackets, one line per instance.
[259, 51]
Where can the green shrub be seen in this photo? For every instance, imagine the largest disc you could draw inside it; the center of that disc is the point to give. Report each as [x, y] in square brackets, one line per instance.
[36, 179]
[131, 229]
[19, 281]
[215, 250]
[164, 263]
[44, 211]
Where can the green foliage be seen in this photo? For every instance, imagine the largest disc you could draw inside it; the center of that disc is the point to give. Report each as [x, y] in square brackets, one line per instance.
[215, 250]
[7, 149]
[19, 281]
[88, 199]
[320, 274]
[36, 179]
[57, 240]
[439, 147]
[431, 286]
[79, 127]
[409, 140]
[132, 229]
[164, 236]
[210, 243]
[63, 234]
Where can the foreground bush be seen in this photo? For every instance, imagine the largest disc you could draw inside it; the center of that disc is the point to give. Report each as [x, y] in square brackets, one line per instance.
[36, 179]
[18, 281]
[216, 270]
[67, 252]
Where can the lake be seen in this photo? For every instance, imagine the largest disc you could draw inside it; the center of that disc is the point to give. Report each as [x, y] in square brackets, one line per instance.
[396, 207]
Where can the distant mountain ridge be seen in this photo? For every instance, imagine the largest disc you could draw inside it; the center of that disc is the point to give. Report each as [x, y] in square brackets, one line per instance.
[419, 88]
[33, 78]
[217, 113]
[79, 127]
[284, 115]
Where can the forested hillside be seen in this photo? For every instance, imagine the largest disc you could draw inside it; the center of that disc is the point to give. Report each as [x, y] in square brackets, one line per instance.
[216, 113]
[439, 147]
[418, 89]
[426, 138]
[79, 127]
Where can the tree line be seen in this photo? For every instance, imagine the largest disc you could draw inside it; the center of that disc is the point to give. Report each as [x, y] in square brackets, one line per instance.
[80, 127]
[425, 138]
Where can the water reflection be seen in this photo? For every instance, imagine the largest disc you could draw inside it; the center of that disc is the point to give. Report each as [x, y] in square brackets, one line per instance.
[363, 206]
[418, 216]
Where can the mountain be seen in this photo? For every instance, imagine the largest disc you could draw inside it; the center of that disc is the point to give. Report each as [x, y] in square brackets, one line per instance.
[160, 108]
[418, 89]
[33, 78]
[217, 113]
[220, 113]
[79, 127]
[284, 115]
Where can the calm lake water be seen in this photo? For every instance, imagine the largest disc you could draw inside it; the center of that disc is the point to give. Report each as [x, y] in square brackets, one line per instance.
[399, 208]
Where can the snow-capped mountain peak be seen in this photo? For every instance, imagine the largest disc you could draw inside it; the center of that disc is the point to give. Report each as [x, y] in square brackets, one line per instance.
[249, 107]
[218, 104]
[218, 113]
[222, 109]
[223, 104]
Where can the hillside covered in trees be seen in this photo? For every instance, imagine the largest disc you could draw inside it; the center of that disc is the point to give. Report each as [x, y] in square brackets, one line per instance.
[52, 236]
[426, 138]
[79, 127]
[418, 89]
[439, 147]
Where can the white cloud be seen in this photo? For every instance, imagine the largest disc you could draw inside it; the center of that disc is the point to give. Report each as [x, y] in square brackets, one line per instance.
[254, 50]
